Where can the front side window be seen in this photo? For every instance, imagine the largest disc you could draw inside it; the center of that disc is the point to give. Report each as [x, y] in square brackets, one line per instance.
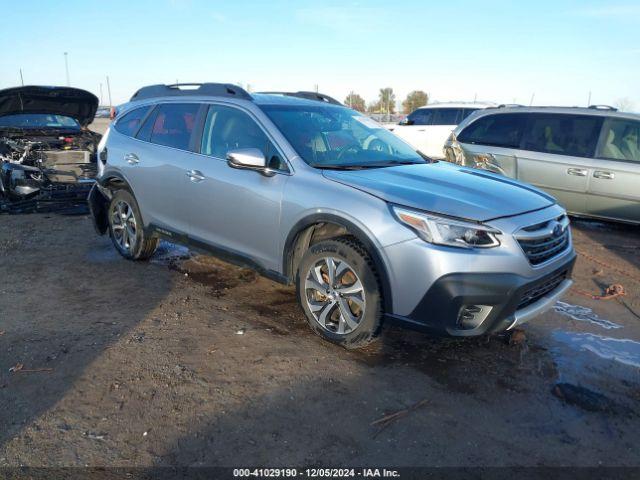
[421, 117]
[330, 136]
[446, 116]
[228, 128]
[498, 130]
[173, 125]
[620, 140]
[129, 123]
[574, 135]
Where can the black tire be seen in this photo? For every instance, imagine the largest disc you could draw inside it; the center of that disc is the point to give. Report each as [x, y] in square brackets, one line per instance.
[353, 253]
[143, 247]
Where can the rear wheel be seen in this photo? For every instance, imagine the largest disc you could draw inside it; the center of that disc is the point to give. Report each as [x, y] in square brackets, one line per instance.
[339, 292]
[126, 228]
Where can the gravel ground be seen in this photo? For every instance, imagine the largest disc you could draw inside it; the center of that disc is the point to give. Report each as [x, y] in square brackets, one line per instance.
[186, 360]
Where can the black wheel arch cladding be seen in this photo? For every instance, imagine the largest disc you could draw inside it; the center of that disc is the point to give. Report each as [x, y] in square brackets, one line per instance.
[353, 230]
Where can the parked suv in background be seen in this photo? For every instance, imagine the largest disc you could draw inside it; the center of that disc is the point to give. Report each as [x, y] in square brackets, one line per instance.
[427, 128]
[588, 158]
[309, 192]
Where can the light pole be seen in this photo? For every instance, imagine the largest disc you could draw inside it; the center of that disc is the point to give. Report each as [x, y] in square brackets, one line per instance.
[66, 67]
[109, 92]
[21, 78]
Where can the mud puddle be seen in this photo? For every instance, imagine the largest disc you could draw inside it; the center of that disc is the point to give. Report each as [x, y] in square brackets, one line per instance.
[621, 350]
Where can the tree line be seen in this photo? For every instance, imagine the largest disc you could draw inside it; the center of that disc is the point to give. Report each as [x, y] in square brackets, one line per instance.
[386, 102]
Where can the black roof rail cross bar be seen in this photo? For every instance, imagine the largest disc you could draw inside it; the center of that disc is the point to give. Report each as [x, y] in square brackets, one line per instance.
[603, 107]
[194, 89]
[320, 97]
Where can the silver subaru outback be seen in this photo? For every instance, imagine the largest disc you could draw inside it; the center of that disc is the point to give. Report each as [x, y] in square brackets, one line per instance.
[307, 191]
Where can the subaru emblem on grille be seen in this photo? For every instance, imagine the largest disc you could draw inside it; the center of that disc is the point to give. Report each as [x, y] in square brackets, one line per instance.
[557, 229]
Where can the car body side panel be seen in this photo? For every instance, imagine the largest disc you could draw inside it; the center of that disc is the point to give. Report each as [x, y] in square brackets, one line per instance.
[157, 180]
[562, 176]
[614, 190]
[237, 209]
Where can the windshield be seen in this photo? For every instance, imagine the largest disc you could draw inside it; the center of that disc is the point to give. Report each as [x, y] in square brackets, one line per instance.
[39, 120]
[337, 137]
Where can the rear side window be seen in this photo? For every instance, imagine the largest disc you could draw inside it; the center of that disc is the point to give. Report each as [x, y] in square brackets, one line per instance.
[130, 122]
[173, 124]
[498, 130]
[446, 116]
[574, 135]
[620, 140]
[421, 117]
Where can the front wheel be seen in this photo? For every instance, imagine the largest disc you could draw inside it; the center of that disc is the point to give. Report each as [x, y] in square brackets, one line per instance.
[338, 290]
[126, 228]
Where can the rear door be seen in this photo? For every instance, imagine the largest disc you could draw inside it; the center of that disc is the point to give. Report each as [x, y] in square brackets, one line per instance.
[614, 183]
[159, 174]
[236, 209]
[556, 155]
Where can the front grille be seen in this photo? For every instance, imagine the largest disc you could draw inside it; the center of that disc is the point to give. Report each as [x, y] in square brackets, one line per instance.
[544, 241]
[538, 291]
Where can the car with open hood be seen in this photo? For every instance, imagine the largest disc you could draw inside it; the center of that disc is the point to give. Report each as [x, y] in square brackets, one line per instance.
[311, 193]
[47, 154]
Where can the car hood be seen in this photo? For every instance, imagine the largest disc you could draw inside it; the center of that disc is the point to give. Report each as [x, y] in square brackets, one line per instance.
[446, 189]
[67, 101]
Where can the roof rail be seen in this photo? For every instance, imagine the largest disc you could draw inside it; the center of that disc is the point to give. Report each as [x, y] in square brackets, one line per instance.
[509, 105]
[320, 97]
[603, 107]
[177, 89]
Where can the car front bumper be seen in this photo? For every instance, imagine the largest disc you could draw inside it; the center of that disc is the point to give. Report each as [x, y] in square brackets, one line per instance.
[513, 299]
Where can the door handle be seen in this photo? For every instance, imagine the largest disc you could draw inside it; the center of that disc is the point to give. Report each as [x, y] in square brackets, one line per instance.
[578, 172]
[195, 176]
[131, 158]
[603, 175]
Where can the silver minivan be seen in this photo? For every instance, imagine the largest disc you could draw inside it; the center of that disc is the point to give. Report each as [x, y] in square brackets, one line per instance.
[587, 158]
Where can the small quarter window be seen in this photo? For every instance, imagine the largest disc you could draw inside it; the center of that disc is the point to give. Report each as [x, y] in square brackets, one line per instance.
[129, 123]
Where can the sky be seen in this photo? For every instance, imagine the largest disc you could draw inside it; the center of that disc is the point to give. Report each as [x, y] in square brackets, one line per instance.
[456, 50]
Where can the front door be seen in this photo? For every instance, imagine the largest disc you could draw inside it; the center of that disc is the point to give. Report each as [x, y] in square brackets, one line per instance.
[236, 209]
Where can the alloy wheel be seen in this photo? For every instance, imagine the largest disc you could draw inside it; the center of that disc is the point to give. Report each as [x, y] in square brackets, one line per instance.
[124, 226]
[335, 295]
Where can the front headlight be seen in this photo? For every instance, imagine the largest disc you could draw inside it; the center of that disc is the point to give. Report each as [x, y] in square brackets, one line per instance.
[445, 231]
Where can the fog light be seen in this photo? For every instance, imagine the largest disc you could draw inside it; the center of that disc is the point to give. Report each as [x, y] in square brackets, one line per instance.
[471, 316]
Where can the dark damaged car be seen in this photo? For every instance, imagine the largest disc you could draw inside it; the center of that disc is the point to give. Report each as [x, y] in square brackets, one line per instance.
[47, 154]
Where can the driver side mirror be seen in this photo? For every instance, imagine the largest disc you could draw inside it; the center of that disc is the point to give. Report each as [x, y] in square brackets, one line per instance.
[249, 158]
[406, 122]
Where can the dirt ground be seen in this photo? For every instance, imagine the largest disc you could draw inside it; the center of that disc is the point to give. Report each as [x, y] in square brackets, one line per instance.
[190, 361]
